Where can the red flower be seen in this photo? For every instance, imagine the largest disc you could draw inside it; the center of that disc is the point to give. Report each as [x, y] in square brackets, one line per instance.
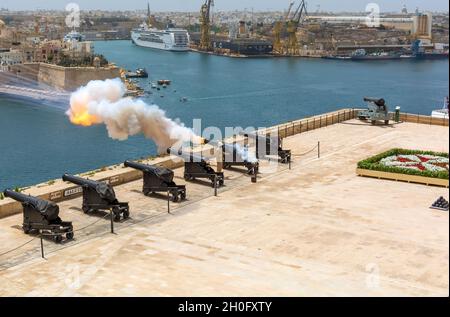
[423, 159]
[403, 159]
[420, 167]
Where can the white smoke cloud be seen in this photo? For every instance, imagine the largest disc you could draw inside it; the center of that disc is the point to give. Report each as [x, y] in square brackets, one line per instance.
[104, 102]
[246, 154]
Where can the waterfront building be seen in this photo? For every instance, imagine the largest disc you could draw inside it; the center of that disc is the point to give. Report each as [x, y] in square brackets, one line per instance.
[9, 58]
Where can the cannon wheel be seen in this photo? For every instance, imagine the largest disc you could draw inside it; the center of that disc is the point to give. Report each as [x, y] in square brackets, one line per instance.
[126, 213]
[174, 198]
[386, 122]
[86, 209]
[69, 235]
[116, 212]
[183, 196]
[26, 229]
[188, 177]
[58, 238]
[373, 122]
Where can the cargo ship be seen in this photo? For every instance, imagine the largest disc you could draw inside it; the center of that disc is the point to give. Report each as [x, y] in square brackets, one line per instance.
[362, 55]
[419, 52]
[249, 47]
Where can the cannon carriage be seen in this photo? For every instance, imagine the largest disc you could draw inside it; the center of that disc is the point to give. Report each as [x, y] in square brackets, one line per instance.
[159, 179]
[236, 155]
[99, 196]
[195, 167]
[42, 216]
[272, 146]
[377, 110]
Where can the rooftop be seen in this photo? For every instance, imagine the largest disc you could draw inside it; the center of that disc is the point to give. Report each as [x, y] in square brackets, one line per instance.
[317, 229]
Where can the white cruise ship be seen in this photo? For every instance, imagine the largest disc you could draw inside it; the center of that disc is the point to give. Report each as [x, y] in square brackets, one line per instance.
[74, 36]
[170, 39]
[442, 113]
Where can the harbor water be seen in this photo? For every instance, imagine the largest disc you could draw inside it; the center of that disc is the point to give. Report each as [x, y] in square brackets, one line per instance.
[39, 143]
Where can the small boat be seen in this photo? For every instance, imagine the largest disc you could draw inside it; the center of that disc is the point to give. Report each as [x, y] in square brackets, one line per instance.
[162, 82]
[139, 73]
[153, 86]
[338, 57]
[441, 113]
[183, 99]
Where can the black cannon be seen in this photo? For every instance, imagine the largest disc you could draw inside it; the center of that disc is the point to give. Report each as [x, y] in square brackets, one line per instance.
[272, 145]
[377, 110]
[159, 179]
[237, 155]
[99, 196]
[41, 215]
[196, 167]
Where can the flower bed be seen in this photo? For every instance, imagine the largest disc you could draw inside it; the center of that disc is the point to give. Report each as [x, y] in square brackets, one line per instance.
[410, 162]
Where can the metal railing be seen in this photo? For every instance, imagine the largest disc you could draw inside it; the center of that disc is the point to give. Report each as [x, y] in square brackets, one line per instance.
[312, 123]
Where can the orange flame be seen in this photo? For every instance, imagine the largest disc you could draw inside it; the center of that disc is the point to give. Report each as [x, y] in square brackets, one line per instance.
[80, 115]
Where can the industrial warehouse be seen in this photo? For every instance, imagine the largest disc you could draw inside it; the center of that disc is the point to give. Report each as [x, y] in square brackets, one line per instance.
[314, 226]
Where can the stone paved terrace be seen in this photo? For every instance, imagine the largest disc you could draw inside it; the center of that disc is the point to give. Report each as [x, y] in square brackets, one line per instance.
[317, 229]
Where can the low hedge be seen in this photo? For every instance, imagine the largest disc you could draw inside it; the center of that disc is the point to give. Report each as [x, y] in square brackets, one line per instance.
[373, 163]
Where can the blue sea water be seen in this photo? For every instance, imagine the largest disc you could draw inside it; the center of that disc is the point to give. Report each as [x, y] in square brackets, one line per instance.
[39, 143]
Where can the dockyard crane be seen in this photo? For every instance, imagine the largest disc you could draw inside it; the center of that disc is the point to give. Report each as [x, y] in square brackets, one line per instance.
[292, 27]
[278, 29]
[205, 28]
[151, 20]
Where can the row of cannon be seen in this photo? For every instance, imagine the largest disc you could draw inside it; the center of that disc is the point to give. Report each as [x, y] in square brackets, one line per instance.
[43, 216]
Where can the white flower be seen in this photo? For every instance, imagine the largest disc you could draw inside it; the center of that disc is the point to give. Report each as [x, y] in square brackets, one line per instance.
[434, 163]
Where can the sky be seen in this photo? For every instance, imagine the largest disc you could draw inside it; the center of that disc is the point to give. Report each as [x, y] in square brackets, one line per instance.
[257, 5]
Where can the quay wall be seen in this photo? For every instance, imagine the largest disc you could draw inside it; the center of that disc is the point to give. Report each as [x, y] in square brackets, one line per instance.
[29, 71]
[57, 190]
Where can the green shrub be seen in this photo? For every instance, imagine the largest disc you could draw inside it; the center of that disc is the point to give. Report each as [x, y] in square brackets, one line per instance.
[373, 163]
[2, 196]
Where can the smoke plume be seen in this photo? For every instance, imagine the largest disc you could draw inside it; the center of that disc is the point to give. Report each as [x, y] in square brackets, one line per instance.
[103, 102]
[246, 154]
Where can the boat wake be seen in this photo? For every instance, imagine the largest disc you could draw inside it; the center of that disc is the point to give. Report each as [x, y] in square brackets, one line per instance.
[20, 88]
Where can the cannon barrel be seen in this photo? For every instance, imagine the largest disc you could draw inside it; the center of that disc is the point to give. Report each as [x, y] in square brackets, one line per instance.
[21, 197]
[187, 157]
[159, 171]
[139, 166]
[80, 181]
[378, 101]
[47, 208]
